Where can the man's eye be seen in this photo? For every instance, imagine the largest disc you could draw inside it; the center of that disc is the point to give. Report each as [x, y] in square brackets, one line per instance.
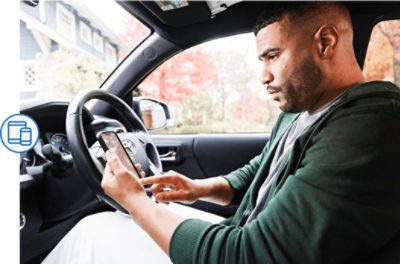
[272, 57]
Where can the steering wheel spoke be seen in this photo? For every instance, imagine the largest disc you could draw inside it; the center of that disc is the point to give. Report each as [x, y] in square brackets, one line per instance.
[97, 153]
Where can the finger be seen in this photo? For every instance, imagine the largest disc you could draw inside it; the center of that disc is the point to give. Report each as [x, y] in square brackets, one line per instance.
[168, 196]
[107, 176]
[166, 179]
[115, 164]
[138, 167]
[156, 188]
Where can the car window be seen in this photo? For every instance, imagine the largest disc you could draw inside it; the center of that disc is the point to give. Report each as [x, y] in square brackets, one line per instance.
[68, 46]
[383, 55]
[214, 88]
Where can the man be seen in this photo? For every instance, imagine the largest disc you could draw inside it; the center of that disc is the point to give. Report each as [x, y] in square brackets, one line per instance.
[325, 189]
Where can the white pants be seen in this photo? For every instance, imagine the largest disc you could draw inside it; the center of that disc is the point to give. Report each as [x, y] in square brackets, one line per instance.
[114, 238]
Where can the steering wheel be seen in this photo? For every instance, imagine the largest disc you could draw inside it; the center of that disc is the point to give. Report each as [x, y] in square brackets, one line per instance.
[87, 159]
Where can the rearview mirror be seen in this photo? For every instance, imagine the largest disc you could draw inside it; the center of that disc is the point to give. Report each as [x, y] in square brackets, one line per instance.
[153, 113]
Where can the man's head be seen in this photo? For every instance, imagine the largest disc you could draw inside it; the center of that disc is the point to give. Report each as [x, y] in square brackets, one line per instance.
[305, 49]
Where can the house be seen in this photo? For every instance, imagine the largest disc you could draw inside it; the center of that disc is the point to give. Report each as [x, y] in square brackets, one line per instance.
[55, 25]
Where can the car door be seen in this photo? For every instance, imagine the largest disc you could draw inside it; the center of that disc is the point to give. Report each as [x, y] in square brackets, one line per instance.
[221, 115]
[207, 155]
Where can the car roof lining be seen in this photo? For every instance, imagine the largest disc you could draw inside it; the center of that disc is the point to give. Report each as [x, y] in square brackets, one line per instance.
[194, 24]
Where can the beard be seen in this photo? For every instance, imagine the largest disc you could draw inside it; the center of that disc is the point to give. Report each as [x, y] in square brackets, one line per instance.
[299, 93]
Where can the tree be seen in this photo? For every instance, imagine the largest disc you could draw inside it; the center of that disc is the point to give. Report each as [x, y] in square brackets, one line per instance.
[188, 73]
[198, 109]
[383, 56]
[132, 32]
[71, 71]
[391, 29]
[240, 94]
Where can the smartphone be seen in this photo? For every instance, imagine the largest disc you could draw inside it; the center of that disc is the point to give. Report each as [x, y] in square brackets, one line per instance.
[109, 140]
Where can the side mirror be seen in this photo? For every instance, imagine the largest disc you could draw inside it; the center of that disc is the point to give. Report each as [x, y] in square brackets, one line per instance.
[154, 114]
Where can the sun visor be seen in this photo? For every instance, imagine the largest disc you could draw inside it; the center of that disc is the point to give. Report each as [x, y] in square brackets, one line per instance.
[179, 13]
[217, 6]
[171, 5]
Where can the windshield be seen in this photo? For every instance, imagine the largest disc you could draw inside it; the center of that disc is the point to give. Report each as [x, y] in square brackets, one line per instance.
[67, 46]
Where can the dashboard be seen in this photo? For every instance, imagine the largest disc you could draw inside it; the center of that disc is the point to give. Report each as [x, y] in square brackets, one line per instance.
[53, 200]
[50, 118]
[60, 141]
[36, 157]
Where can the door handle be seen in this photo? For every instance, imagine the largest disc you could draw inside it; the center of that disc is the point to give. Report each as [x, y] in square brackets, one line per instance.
[169, 156]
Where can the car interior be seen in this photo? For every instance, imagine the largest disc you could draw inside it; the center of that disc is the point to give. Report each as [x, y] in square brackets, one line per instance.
[60, 177]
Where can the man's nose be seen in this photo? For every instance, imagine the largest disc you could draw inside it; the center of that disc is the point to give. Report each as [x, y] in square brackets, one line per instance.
[266, 76]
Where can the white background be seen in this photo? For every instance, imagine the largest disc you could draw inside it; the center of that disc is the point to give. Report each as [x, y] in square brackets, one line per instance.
[9, 104]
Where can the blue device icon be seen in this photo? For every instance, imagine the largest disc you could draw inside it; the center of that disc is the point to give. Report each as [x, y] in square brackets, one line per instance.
[19, 133]
[26, 136]
[14, 131]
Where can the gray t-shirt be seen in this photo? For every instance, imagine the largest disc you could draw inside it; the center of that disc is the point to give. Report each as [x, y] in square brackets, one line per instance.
[298, 127]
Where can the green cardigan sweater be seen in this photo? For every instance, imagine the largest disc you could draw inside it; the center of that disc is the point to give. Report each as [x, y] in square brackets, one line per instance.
[336, 200]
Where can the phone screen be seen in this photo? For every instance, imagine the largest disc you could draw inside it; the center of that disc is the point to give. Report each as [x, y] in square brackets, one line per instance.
[110, 140]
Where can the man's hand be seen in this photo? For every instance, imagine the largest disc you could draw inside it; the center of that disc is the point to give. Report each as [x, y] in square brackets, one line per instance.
[125, 188]
[173, 187]
[119, 183]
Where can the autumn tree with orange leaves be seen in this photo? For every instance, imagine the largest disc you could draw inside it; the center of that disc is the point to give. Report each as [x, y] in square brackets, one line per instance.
[166, 82]
[190, 72]
[383, 56]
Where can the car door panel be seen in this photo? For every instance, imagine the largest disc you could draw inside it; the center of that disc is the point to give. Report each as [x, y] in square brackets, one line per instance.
[204, 156]
[221, 154]
[208, 155]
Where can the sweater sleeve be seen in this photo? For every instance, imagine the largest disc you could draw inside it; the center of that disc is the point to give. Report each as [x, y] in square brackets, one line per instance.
[241, 179]
[342, 201]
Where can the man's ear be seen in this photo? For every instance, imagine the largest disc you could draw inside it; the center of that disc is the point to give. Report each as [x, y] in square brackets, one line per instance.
[326, 38]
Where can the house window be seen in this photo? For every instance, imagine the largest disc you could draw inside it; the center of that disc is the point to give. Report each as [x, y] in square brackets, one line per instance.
[29, 75]
[98, 42]
[111, 54]
[85, 33]
[65, 22]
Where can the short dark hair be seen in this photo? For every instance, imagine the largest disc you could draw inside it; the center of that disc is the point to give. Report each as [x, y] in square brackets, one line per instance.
[274, 12]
